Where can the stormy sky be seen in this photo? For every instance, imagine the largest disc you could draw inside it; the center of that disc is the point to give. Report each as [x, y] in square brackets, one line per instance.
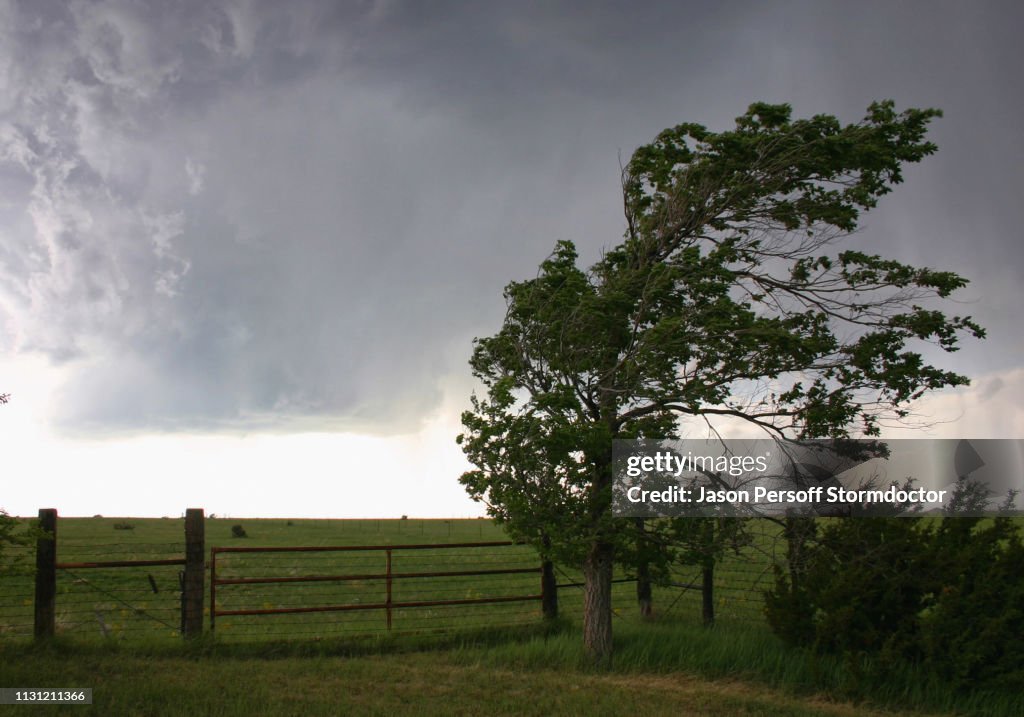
[222, 220]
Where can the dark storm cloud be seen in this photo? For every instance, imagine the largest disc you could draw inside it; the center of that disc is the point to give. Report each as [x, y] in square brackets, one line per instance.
[235, 214]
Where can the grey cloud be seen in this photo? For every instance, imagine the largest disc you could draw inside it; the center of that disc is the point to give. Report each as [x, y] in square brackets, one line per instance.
[991, 388]
[227, 215]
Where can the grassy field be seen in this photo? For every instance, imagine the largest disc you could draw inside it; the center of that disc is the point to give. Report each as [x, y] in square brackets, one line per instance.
[117, 633]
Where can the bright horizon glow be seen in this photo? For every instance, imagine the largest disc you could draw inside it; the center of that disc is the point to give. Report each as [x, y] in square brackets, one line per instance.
[300, 475]
[320, 474]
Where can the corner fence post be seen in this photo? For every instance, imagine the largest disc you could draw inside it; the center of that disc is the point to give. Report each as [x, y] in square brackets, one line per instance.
[46, 575]
[193, 590]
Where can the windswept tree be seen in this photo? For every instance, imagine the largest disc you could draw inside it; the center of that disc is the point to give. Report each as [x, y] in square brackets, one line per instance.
[734, 293]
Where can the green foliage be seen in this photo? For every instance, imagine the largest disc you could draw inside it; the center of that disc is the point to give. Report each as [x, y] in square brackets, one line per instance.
[698, 540]
[17, 534]
[13, 533]
[971, 635]
[8, 525]
[727, 297]
[237, 531]
[947, 595]
[860, 583]
[8, 531]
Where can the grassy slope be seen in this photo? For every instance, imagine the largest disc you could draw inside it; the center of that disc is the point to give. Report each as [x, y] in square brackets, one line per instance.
[435, 683]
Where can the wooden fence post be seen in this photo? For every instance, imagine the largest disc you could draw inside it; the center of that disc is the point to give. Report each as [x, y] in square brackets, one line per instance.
[193, 590]
[46, 575]
[387, 596]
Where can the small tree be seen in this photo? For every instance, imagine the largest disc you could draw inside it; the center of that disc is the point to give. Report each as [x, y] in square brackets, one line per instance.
[704, 542]
[728, 297]
[10, 535]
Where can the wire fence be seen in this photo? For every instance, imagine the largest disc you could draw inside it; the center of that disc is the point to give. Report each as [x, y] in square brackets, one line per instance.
[17, 592]
[118, 601]
[737, 593]
[108, 602]
[295, 594]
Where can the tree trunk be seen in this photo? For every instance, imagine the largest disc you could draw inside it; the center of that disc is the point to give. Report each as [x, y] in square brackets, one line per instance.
[707, 572]
[797, 531]
[643, 573]
[643, 591]
[548, 581]
[548, 590]
[597, 604]
[707, 592]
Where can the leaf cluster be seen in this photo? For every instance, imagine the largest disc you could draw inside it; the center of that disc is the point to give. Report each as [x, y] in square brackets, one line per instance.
[14, 533]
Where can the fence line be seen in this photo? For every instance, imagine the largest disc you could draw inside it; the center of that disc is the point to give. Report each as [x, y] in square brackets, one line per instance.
[191, 579]
[125, 586]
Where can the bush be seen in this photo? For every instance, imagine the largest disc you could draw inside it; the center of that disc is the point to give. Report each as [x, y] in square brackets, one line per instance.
[237, 531]
[123, 526]
[972, 633]
[949, 596]
[15, 534]
[863, 582]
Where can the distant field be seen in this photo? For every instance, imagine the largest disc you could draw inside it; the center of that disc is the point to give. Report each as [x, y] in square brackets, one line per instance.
[129, 603]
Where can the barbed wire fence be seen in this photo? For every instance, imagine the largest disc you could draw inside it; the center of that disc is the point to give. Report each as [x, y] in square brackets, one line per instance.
[288, 593]
[17, 592]
[118, 601]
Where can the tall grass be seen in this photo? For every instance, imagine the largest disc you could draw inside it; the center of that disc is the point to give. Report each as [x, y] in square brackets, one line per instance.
[721, 664]
[748, 653]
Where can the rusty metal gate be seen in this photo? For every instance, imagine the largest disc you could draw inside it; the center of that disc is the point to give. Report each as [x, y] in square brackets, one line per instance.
[438, 581]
